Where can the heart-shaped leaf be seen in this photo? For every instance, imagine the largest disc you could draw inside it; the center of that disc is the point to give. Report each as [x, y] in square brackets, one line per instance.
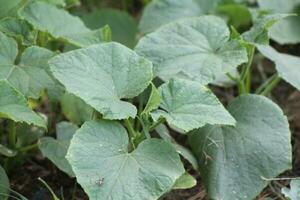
[106, 170]
[56, 149]
[195, 48]
[13, 105]
[237, 162]
[286, 31]
[44, 17]
[31, 75]
[102, 75]
[287, 66]
[188, 105]
[160, 12]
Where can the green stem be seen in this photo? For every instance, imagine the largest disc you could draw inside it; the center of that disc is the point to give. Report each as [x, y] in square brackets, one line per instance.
[12, 134]
[130, 128]
[271, 85]
[49, 188]
[28, 148]
[240, 84]
[244, 83]
[246, 68]
[157, 123]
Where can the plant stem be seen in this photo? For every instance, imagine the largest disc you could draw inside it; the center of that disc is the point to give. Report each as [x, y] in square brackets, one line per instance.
[271, 84]
[157, 123]
[49, 188]
[12, 134]
[246, 68]
[28, 148]
[130, 128]
[244, 84]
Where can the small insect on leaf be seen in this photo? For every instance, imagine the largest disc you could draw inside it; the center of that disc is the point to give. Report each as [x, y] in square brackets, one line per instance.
[99, 182]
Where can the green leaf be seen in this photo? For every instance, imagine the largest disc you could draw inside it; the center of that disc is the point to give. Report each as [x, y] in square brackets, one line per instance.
[123, 26]
[153, 101]
[294, 192]
[105, 169]
[287, 66]
[26, 135]
[13, 105]
[19, 29]
[102, 75]
[164, 133]
[185, 181]
[286, 31]
[31, 76]
[4, 184]
[188, 105]
[238, 15]
[8, 153]
[7, 6]
[160, 12]
[72, 105]
[56, 149]
[196, 48]
[259, 32]
[44, 17]
[8, 50]
[236, 162]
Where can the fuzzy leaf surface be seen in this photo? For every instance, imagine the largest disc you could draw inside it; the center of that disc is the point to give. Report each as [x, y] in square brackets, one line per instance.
[188, 105]
[106, 170]
[13, 105]
[56, 149]
[44, 17]
[197, 49]
[236, 162]
[102, 75]
[287, 66]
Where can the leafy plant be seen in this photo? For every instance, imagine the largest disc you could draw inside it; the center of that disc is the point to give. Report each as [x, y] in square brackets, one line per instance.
[130, 106]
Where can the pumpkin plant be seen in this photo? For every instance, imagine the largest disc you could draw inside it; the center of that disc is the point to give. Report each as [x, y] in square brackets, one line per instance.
[122, 104]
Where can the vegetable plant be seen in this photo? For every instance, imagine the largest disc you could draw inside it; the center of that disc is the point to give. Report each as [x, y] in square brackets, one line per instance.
[118, 100]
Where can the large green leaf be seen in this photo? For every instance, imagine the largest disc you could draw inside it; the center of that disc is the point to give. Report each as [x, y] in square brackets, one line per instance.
[44, 17]
[160, 12]
[19, 29]
[106, 170]
[287, 66]
[4, 185]
[188, 105]
[122, 25]
[292, 193]
[13, 105]
[102, 75]
[286, 31]
[237, 162]
[56, 149]
[195, 48]
[31, 75]
[72, 105]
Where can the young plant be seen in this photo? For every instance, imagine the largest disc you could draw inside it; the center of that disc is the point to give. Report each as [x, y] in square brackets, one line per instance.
[126, 101]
